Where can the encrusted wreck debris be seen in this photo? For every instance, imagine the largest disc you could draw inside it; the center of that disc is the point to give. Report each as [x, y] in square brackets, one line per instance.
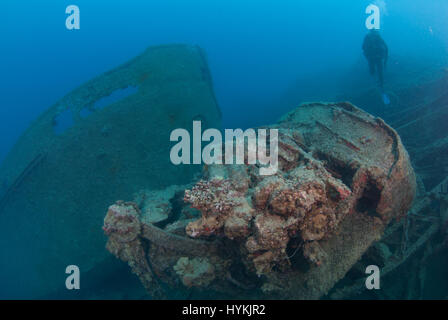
[412, 249]
[343, 176]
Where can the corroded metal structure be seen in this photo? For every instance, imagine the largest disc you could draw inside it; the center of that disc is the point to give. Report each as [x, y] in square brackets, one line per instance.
[343, 176]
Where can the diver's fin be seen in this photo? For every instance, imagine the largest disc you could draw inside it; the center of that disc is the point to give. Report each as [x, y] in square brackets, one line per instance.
[385, 98]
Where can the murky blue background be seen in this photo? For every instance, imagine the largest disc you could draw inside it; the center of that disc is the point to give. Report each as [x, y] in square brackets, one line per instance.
[256, 49]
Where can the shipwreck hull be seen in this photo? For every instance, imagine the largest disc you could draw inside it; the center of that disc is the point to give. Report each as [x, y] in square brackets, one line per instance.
[58, 181]
[343, 176]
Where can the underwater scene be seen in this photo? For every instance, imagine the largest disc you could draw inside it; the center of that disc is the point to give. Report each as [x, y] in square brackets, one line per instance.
[225, 149]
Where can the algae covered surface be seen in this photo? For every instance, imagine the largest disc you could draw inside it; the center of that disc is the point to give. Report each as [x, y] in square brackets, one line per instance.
[221, 150]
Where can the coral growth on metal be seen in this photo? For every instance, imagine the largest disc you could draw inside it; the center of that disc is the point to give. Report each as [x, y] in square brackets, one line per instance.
[343, 175]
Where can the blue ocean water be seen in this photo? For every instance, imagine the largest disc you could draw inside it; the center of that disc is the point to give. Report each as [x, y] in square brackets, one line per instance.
[262, 54]
[256, 49]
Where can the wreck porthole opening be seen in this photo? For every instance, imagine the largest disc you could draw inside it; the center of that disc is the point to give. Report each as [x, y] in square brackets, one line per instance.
[114, 97]
[62, 122]
[86, 111]
[369, 200]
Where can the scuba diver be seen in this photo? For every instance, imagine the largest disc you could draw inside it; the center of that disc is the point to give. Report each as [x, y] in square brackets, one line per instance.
[376, 53]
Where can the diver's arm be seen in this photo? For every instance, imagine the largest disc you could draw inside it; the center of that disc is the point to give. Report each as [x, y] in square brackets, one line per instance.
[386, 54]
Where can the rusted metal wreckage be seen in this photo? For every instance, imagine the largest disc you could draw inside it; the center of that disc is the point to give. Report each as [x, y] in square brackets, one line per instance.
[340, 201]
[344, 175]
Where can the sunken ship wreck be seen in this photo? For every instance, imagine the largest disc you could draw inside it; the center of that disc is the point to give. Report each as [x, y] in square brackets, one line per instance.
[357, 185]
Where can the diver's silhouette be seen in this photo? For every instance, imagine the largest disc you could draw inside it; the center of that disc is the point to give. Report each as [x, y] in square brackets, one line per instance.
[376, 53]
